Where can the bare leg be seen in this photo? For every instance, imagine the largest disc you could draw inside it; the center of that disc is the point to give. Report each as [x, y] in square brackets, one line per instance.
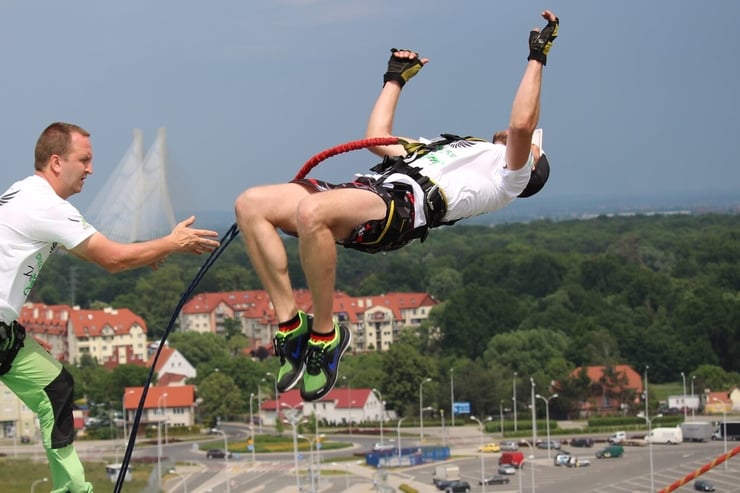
[322, 219]
[259, 212]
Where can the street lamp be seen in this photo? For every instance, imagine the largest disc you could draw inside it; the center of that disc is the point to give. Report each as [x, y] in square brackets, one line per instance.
[534, 413]
[277, 397]
[421, 410]
[452, 396]
[547, 418]
[163, 413]
[42, 480]
[531, 466]
[226, 459]
[350, 401]
[251, 426]
[650, 444]
[159, 442]
[312, 461]
[693, 377]
[482, 466]
[683, 378]
[293, 419]
[514, 401]
[398, 436]
[724, 427]
[382, 414]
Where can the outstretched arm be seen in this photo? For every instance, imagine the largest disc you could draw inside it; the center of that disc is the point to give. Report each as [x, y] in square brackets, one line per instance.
[525, 111]
[116, 257]
[402, 65]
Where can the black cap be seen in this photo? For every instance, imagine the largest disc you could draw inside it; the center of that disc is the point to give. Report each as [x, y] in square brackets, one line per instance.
[538, 178]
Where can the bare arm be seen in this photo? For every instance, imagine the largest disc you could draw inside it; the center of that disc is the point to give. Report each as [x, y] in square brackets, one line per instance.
[525, 111]
[383, 113]
[117, 257]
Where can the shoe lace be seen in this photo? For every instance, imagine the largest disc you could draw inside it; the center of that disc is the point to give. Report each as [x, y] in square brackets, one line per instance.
[314, 358]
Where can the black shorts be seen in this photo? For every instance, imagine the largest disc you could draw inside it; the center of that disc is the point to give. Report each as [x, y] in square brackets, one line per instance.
[394, 231]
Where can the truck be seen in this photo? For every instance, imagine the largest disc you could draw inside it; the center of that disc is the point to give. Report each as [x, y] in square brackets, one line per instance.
[697, 431]
[445, 474]
[670, 436]
[727, 430]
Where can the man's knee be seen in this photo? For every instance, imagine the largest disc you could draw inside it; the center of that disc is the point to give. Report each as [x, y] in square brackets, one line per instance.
[61, 396]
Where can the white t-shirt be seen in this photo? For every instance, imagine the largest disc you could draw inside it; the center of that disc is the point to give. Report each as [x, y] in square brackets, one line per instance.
[473, 177]
[33, 221]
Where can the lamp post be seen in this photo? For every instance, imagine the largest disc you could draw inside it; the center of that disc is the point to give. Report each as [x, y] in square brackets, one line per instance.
[226, 459]
[293, 419]
[514, 400]
[452, 396]
[724, 427]
[312, 461]
[480, 451]
[547, 418]
[42, 480]
[421, 410]
[251, 427]
[501, 415]
[351, 402]
[163, 413]
[382, 414]
[534, 413]
[398, 435]
[159, 442]
[650, 445]
[693, 377]
[531, 466]
[685, 411]
[277, 397]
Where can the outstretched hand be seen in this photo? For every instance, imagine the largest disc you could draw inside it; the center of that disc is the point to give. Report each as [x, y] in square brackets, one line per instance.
[191, 240]
[403, 65]
[540, 41]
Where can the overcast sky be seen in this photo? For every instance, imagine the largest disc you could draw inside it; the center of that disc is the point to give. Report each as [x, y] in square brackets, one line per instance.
[640, 97]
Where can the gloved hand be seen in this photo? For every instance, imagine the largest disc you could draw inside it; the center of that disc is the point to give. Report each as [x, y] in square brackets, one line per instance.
[402, 69]
[540, 42]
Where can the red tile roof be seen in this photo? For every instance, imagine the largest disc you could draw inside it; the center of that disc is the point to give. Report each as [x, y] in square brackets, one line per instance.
[595, 373]
[344, 398]
[91, 323]
[180, 396]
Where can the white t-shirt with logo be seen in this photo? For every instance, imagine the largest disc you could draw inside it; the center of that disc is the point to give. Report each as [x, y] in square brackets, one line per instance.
[473, 177]
[33, 221]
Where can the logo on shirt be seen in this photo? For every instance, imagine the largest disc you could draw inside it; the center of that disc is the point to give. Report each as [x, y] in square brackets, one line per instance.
[7, 197]
[81, 220]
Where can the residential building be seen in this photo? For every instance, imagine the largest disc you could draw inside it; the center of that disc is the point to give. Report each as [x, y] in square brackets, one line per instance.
[612, 389]
[168, 406]
[172, 368]
[16, 420]
[340, 406]
[375, 321]
[109, 335]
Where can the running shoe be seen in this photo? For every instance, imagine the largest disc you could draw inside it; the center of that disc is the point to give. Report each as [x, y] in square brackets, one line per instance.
[290, 347]
[322, 362]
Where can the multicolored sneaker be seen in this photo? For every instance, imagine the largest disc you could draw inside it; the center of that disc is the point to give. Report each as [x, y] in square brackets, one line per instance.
[290, 347]
[322, 361]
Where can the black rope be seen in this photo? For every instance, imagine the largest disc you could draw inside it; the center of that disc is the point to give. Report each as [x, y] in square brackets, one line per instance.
[225, 241]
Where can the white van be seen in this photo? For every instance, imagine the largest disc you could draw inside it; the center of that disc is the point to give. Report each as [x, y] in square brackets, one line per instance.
[618, 437]
[665, 435]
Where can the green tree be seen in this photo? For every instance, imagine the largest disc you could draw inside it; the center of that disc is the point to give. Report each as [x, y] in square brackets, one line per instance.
[198, 348]
[219, 397]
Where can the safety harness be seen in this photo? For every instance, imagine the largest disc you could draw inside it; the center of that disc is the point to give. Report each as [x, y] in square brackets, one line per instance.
[11, 341]
[393, 232]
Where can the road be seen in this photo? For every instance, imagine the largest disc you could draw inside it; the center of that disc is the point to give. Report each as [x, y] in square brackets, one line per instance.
[275, 473]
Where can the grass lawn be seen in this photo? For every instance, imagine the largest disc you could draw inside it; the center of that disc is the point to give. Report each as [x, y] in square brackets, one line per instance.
[17, 475]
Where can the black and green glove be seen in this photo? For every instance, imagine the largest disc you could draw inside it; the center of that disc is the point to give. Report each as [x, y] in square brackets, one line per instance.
[540, 42]
[401, 69]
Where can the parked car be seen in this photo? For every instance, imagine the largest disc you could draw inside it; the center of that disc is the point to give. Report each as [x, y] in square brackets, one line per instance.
[509, 446]
[618, 437]
[582, 442]
[515, 459]
[551, 444]
[217, 453]
[610, 452]
[495, 479]
[576, 462]
[703, 485]
[562, 459]
[458, 487]
[490, 447]
[506, 469]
